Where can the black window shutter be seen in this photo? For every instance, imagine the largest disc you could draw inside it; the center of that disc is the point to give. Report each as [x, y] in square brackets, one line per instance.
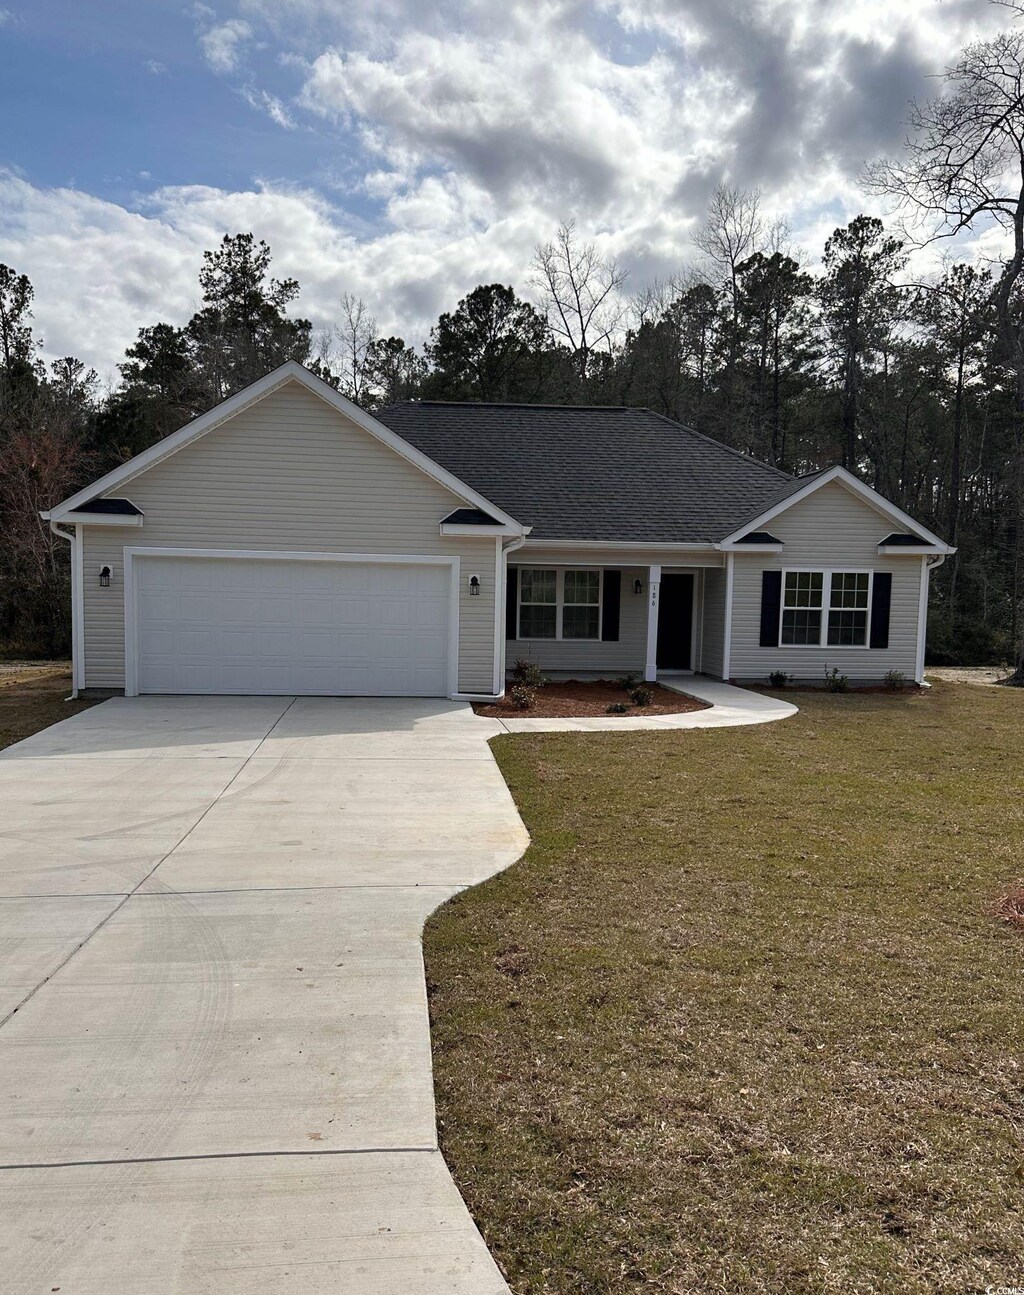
[511, 602]
[771, 602]
[881, 599]
[610, 607]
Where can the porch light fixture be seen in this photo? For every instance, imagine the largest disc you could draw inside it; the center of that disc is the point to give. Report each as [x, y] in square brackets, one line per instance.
[638, 586]
[105, 574]
[474, 584]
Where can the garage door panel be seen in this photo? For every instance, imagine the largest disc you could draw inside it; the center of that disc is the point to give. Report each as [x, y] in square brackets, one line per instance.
[278, 627]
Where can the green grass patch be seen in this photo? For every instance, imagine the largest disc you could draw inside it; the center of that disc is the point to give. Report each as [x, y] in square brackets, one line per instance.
[744, 1018]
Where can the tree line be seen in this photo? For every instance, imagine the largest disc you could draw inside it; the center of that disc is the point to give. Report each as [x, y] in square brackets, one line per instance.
[915, 384]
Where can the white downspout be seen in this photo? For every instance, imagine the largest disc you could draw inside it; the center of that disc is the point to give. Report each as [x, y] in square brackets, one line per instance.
[75, 540]
[501, 648]
[730, 584]
[928, 565]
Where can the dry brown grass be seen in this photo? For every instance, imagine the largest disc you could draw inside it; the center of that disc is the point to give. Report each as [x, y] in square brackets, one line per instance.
[742, 1019]
[35, 700]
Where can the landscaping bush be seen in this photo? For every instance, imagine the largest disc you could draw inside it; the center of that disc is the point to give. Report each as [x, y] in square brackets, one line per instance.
[894, 679]
[778, 679]
[836, 682]
[521, 697]
[641, 695]
[617, 708]
[629, 681]
[527, 674]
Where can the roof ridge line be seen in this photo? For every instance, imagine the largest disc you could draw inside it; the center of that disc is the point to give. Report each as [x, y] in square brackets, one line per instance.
[517, 404]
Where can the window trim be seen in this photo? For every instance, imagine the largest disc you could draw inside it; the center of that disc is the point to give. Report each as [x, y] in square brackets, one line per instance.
[826, 574]
[559, 603]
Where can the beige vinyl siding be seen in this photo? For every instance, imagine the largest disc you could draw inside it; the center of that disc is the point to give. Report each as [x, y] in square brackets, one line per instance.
[594, 655]
[590, 655]
[287, 473]
[712, 644]
[834, 529]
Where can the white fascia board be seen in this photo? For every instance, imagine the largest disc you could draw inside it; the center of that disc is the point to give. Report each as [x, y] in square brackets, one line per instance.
[750, 548]
[659, 546]
[102, 519]
[477, 532]
[291, 371]
[913, 550]
[857, 487]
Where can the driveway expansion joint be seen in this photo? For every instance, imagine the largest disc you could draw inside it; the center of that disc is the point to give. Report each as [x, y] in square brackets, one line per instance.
[221, 1155]
[54, 971]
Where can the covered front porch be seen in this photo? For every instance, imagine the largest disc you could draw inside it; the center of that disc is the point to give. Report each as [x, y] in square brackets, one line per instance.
[591, 613]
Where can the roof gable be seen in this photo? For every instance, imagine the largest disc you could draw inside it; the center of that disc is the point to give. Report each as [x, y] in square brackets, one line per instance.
[804, 487]
[245, 399]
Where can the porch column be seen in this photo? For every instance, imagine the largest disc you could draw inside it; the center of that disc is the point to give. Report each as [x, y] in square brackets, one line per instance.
[653, 585]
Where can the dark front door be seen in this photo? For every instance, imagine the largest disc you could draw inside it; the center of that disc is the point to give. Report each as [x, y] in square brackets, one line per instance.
[675, 622]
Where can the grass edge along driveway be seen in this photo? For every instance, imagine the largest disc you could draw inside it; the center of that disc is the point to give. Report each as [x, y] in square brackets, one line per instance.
[741, 1020]
[35, 699]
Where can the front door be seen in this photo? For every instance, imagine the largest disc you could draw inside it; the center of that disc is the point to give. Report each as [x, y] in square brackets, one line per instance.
[675, 622]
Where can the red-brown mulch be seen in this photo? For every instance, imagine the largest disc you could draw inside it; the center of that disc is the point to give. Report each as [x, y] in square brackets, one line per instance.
[573, 698]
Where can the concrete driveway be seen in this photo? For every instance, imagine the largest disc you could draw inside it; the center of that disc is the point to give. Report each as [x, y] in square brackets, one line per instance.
[214, 1052]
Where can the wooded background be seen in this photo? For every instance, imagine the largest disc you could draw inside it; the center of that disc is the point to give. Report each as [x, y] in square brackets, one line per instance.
[915, 383]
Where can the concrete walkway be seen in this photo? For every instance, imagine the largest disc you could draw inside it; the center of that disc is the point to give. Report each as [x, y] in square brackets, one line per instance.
[729, 707]
[214, 1052]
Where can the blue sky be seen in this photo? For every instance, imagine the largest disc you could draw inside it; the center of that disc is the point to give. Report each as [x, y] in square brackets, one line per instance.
[405, 152]
[116, 98]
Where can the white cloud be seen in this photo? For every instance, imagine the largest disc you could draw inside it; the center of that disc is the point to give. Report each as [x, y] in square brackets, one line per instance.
[101, 272]
[223, 43]
[155, 67]
[476, 127]
[275, 109]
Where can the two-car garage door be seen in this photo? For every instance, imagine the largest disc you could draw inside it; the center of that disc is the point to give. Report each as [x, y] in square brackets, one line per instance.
[271, 626]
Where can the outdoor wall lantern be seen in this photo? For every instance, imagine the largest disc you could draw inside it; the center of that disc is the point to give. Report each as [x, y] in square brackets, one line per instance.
[105, 573]
[638, 586]
[474, 584]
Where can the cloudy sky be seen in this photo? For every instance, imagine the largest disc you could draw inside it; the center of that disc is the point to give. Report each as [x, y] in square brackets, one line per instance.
[405, 150]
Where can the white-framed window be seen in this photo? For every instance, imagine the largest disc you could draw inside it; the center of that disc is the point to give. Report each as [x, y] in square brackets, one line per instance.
[559, 603]
[825, 608]
[581, 604]
[538, 603]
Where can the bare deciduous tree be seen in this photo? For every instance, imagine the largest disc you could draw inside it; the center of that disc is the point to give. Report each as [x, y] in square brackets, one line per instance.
[580, 291]
[344, 350]
[732, 231]
[963, 165]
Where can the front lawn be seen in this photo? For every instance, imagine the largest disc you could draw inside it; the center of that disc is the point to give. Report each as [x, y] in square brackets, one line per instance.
[33, 698]
[741, 1020]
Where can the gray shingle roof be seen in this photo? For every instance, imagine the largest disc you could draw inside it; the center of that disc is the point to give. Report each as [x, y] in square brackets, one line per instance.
[594, 473]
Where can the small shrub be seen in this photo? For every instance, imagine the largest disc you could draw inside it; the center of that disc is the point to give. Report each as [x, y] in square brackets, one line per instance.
[521, 697]
[778, 679]
[629, 681]
[617, 708]
[641, 695]
[836, 682]
[894, 679]
[527, 674]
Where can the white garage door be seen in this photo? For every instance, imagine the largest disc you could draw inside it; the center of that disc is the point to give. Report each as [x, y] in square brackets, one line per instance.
[258, 626]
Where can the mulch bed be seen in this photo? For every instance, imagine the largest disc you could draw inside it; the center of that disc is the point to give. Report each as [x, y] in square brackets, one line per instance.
[575, 698]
